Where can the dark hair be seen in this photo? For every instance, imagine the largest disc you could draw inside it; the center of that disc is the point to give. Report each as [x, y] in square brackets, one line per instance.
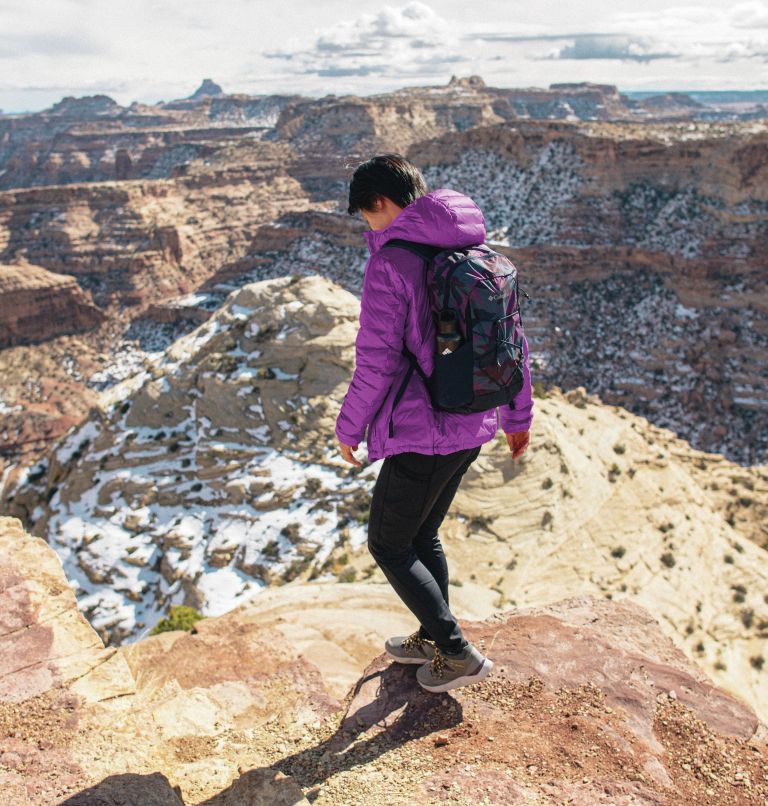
[390, 175]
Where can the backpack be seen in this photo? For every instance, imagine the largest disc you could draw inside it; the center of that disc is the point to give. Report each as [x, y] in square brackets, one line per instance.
[480, 286]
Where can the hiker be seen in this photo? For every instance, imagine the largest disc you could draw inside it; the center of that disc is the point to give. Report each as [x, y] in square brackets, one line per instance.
[426, 451]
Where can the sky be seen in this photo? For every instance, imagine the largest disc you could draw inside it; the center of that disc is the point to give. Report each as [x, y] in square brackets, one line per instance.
[153, 50]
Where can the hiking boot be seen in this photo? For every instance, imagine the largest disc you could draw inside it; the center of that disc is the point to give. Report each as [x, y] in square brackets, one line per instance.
[451, 671]
[410, 649]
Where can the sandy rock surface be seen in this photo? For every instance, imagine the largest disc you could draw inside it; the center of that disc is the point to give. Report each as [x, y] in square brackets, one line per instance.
[588, 701]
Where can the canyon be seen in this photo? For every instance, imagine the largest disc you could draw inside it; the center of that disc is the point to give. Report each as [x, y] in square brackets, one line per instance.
[179, 298]
[638, 231]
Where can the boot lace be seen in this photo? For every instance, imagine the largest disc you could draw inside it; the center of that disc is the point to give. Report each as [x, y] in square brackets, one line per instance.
[437, 663]
[414, 640]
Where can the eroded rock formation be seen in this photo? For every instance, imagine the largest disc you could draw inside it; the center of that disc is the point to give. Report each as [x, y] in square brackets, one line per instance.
[36, 304]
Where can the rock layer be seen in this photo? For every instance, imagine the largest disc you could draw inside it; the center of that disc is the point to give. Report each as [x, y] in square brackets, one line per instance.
[36, 304]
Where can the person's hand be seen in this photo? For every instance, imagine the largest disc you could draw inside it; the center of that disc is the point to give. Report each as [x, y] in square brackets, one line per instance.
[346, 453]
[518, 443]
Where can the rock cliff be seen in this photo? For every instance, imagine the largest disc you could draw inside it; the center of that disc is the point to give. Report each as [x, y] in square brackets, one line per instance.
[36, 304]
[287, 700]
[214, 473]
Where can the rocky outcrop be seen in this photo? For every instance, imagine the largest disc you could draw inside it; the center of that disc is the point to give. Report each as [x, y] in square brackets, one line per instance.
[215, 472]
[587, 701]
[45, 642]
[36, 305]
[207, 89]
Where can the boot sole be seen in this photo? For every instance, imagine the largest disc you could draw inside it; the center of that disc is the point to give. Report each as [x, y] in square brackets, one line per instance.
[466, 680]
[397, 659]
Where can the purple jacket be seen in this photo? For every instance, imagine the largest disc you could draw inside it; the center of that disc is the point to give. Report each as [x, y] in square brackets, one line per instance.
[394, 311]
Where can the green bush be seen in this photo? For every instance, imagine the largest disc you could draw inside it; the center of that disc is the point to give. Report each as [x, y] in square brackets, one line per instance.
[668, 559]
[180, 617]
[347, 575]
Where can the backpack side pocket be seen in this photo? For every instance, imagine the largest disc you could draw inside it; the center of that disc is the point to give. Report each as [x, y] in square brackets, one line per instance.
[451, 383]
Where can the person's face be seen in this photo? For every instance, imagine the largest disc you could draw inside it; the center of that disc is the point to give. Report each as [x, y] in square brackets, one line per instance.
[384, 213]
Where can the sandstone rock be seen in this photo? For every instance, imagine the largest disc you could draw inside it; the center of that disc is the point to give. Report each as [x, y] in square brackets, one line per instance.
[44, 640]
[577, 708]
[36, 304]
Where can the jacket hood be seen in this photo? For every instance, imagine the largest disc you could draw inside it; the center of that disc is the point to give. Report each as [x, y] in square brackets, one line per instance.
[442, 217]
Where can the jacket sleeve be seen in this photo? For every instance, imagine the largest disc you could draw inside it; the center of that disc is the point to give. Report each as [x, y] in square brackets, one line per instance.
[520, 417]
[378, 348]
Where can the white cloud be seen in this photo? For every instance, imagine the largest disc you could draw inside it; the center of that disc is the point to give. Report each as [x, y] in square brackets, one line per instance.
[750, 15]
[397, 41]
[611, 46]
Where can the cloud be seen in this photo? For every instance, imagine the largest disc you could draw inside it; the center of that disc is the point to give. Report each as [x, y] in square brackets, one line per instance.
[610, 46]
[49, 44]
[413, 21]
[750, 15]
[396, 41]
[339, 72]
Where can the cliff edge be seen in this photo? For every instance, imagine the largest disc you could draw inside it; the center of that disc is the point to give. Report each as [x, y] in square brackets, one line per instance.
[589, 703]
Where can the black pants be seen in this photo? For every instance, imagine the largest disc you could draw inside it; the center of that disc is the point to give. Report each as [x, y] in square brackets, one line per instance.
[409, 501]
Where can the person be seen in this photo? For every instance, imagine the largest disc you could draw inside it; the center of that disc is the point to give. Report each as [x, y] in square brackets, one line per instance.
[426, 451]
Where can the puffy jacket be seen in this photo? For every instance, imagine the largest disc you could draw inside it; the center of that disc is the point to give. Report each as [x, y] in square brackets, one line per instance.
[394, 311]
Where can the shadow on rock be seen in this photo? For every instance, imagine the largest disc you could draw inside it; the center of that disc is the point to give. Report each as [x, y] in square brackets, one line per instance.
[128, 790]
[387, 708]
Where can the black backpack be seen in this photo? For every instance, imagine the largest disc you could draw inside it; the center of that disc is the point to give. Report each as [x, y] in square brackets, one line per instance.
[478, 286]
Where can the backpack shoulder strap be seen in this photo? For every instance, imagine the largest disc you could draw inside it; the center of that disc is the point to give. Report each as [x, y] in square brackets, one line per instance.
[423, 250]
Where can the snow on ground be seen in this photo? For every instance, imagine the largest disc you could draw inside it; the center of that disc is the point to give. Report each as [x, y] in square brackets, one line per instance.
[128, 562]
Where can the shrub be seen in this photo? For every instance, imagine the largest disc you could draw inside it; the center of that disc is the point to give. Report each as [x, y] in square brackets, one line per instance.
[668, 559]
[347, 575]
[757, 662]
[547, 483]
[180, 617]
[618, 551]
[271, 549]
[618, 448]
[480, 522]
[539, 390]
